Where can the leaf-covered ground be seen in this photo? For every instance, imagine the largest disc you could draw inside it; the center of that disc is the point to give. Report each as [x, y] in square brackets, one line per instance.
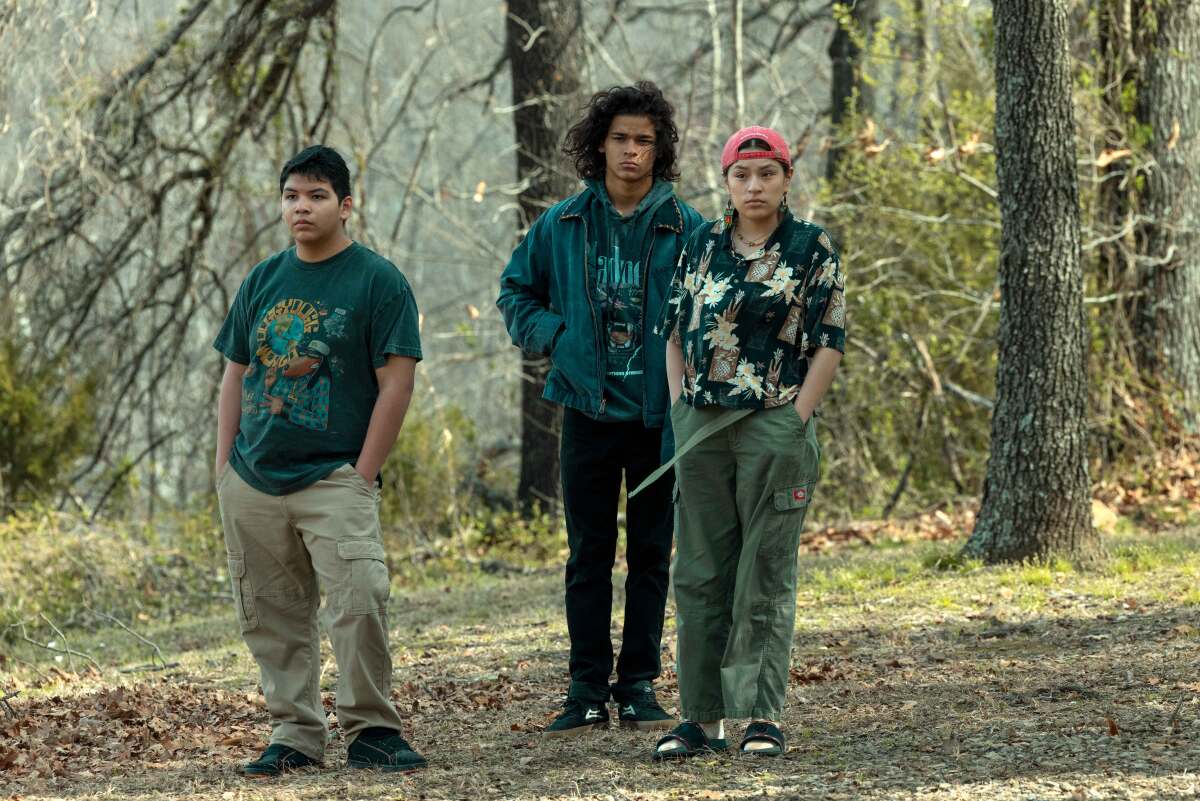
[914, 676]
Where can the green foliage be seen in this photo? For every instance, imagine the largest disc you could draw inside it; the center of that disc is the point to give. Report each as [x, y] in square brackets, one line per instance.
[46, 421]
[949, 559]
[526, 541]
[914, 214]
[441, 506]
[428, 477]
[67, 570]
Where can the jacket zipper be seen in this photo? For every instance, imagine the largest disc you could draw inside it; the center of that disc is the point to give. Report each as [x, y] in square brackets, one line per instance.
[587, 287]
[645, 296]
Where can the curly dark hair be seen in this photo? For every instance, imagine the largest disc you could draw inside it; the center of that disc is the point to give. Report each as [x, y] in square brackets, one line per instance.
[644, 98]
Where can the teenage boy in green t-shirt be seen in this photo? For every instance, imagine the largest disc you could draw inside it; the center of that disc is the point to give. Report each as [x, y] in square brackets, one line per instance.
[322, 345]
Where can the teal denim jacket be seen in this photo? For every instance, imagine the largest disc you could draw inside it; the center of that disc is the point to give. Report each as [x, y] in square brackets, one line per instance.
[547, 306]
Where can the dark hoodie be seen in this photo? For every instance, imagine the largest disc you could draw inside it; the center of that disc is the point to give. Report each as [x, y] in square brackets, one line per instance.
[616, 248]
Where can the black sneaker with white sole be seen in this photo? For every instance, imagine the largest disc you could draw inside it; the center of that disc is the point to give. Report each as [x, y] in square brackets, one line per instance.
[578, 717]
[637, 708]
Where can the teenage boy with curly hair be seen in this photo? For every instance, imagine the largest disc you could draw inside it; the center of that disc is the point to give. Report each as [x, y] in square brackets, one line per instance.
[584, 287]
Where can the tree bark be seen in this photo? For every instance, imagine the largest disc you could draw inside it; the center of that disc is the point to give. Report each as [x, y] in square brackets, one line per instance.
[544, 42]
[1167, 317]
[1036, 493]
[849, 93]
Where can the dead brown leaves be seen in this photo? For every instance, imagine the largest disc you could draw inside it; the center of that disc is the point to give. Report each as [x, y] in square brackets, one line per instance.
[936, 525]
[867, 140]
[446, 696]
[1168, 480]
[82, 736]
[815, 672]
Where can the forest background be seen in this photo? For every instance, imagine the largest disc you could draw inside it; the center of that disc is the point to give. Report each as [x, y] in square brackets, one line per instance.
[141, 143]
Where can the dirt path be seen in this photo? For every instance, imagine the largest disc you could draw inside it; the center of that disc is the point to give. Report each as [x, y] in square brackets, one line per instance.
[908, 682]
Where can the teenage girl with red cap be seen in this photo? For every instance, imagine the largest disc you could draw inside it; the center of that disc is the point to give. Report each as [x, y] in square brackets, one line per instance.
[755, 329]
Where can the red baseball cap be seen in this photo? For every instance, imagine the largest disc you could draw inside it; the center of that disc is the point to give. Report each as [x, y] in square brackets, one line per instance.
[778, 147]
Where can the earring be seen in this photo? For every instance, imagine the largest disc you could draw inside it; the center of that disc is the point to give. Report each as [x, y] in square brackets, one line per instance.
[783, 203]
[727, 220]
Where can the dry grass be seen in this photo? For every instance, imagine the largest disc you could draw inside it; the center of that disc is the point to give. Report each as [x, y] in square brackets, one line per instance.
[914, 676]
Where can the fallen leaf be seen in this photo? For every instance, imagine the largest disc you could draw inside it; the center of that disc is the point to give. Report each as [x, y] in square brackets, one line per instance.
[874, 150]
[969, 147]
[867, 135]
[1108, 155]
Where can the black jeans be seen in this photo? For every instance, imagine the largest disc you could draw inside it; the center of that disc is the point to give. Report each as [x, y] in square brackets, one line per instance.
[594, 456]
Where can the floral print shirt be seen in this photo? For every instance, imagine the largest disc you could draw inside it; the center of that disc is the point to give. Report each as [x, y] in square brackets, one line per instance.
[748, 326]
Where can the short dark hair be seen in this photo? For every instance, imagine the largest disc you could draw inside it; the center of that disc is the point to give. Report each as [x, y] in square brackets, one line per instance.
[644, 98]
[319, 163]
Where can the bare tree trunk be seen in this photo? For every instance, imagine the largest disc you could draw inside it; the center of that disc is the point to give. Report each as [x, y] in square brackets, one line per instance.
[849, 93]
[544, 42]
[1036, 494]
[712, 177]
[1167, 320]
[739, 81]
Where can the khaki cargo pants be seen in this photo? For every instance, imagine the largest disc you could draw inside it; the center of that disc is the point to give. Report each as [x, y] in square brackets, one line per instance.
[743, 494]
[282, 551]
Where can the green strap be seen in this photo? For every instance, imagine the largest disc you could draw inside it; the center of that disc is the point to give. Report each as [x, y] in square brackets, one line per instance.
[704, 432]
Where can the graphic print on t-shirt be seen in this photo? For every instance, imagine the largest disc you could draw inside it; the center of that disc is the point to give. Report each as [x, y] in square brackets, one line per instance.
[291, 374]
[619, 295]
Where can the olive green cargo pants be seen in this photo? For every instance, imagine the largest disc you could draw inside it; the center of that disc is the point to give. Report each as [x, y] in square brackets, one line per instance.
[743, 494]
[283, 550]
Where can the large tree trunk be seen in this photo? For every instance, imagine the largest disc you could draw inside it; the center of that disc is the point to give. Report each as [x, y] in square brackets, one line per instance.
[1167, 318]
[849, 93]
[544, 42]
[1036, 494]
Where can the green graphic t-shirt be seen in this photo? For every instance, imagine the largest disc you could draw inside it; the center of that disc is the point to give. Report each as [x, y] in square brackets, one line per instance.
[616, 281]
[311, 335]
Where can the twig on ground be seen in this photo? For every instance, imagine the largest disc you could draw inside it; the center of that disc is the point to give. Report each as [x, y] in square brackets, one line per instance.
[8, 710]
[63, 637]
[69, 652]
[150, 667]
[1173, 721]
[157, 651]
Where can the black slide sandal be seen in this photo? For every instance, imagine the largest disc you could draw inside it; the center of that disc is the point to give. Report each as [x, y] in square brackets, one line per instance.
[763, 732]
[693, 741]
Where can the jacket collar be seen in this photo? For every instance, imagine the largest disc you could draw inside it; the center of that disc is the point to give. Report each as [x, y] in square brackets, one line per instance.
[668, 215]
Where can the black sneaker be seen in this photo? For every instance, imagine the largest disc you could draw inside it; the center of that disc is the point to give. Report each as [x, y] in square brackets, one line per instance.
[277, 759]
[578, 717]
[388, 752]
[638, 708]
